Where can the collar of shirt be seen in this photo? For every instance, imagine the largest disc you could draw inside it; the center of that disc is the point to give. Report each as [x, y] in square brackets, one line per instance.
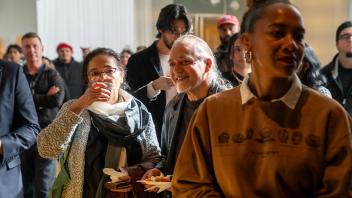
[290, 99]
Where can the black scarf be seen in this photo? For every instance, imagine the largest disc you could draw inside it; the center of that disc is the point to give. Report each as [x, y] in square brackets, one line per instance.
[125, 130]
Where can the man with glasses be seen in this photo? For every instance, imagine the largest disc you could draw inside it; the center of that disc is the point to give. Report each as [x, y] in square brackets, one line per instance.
[148, 70]
[339, 71]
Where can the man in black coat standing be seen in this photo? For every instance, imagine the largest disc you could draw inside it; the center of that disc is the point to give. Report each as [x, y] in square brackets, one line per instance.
[18, 127]
[70, 70]
[148, 70]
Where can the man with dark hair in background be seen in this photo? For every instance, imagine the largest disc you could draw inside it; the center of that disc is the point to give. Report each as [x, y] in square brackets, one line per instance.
[339, 71]
[148, 70]
[227, 25]
[70, 70]
[47, 88]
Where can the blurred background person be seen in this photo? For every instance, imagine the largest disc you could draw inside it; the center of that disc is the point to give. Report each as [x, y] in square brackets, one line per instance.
[227, 26]
[309, 72]
[14, 54]
[124, 56]
[48, 62]
[240, 68]
[85, 52]
[70, 70]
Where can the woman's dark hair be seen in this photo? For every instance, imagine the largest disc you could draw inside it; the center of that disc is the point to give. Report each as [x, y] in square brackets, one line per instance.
[169, 14]
[13, 46]
[94, 53]
[231, 44]
[312, 76]
[255, 12]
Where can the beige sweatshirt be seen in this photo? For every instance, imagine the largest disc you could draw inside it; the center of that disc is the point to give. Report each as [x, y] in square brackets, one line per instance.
[265, 149]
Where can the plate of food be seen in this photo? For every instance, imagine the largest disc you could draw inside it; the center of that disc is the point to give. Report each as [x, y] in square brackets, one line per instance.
[158, 183]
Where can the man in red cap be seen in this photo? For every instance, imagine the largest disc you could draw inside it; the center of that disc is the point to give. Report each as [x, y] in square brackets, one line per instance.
[70, 70]
[228, 25]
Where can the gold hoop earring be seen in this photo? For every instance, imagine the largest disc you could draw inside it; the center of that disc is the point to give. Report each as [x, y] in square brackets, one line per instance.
[248, 56]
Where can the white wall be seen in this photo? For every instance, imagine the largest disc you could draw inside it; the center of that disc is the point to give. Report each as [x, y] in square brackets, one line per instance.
[103, 23]
[16, 18]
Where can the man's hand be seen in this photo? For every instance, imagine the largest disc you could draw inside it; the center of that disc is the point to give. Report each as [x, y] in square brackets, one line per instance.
[162, 83]
[53, 90]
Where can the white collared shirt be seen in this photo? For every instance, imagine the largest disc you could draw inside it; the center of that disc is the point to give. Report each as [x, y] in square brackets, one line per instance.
[290, 99]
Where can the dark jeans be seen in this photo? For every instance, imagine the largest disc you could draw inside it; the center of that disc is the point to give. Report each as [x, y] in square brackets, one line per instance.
[38, 174]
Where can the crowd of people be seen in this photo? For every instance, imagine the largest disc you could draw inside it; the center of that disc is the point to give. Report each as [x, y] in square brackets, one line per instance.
[259, 117]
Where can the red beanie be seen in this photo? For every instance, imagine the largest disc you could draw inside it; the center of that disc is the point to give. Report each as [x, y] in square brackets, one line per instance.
[64, 45]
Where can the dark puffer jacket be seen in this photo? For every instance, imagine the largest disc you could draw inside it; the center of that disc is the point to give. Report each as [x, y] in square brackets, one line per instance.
[330, 71]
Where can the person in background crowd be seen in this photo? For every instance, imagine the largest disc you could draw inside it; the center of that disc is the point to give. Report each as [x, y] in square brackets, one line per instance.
[239, 67]
[194, 73]
[85, 52]
[148, 71]
[270, 136]
[48, 62]
[227, 25]
[14, 54]
[18, 127]
[339, 71]
[125, 55]
[140, 48]
[104, 128]
[47, 88]
[70, 70]
[309, 72]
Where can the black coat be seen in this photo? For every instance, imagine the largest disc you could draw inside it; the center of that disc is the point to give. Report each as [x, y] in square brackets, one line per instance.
[335, 86]
[47, 106]
[18, 126]
[142, 68]
[170, 132]
[72, 75]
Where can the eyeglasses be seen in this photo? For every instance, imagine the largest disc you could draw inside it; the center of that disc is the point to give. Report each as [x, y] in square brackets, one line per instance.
[177, 32]
[108, 72]
[345, 37]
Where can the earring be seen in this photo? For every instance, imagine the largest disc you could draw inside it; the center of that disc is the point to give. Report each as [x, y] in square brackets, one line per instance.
[248, 56]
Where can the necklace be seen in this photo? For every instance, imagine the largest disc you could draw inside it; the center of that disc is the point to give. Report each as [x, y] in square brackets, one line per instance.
[237, 78]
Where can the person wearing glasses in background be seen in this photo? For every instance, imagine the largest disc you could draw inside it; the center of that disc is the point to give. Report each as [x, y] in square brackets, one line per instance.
[148, 70]
[339, 71]
[104, 128]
